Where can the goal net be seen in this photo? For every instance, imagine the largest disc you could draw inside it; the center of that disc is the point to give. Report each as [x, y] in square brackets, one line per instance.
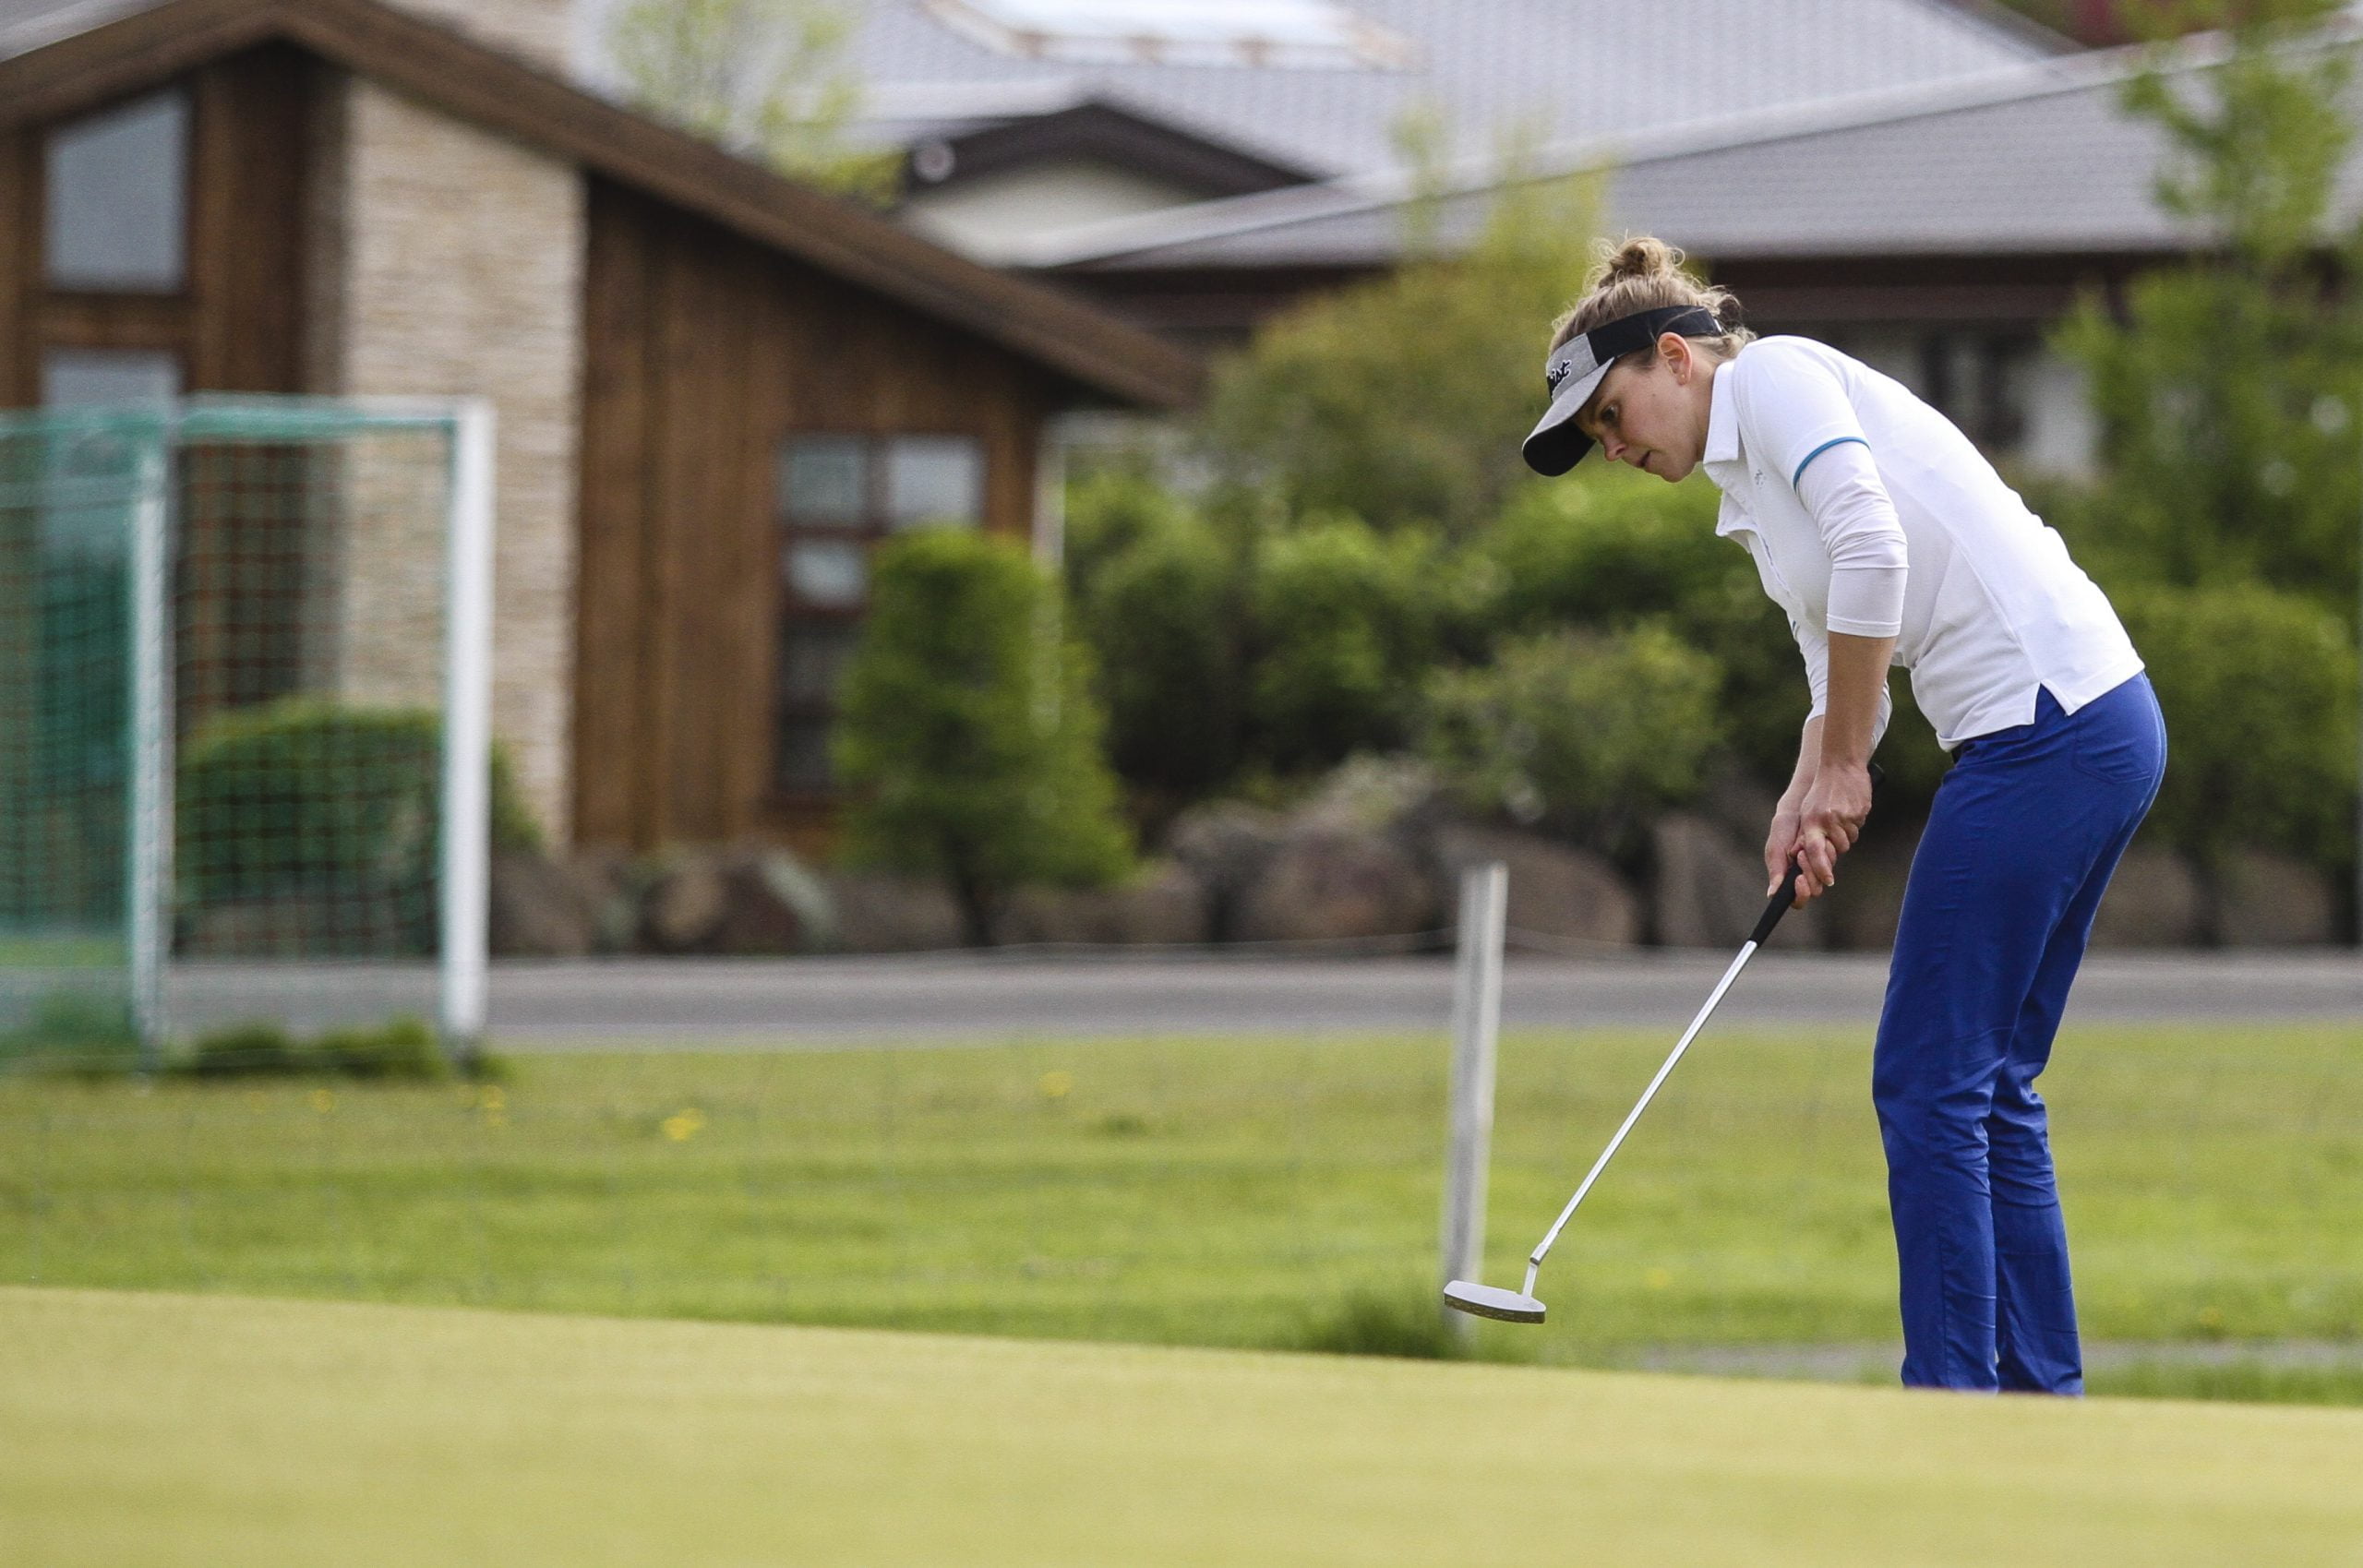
[244, 728]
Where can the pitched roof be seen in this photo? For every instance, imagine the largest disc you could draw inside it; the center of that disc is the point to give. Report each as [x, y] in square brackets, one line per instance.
[69, 63]
[2038, 158]
[1556, 69]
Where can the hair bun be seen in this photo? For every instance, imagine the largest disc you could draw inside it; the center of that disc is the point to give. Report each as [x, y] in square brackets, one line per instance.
[1639, 256]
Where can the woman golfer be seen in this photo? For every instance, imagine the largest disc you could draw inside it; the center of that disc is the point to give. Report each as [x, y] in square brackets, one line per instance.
[1887, 539]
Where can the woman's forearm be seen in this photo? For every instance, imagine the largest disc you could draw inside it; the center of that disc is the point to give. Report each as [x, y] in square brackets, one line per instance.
[1858, 668]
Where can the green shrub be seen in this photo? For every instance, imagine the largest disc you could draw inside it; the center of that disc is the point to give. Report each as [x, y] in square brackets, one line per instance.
[969, 740]
[304, 802]
[1346, 624]
[1160, 612]
[74, 1029]
[1589, 732]
[2259, 689]
[403, 1048]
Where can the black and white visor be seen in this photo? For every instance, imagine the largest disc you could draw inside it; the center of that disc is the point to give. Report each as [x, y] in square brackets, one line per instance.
[1575, 367]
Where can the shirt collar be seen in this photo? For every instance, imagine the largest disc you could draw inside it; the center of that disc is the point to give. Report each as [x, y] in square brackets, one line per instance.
[1722, 419]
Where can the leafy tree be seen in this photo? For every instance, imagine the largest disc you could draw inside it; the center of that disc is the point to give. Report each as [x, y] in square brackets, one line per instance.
[1586, 732]
[1403, 399]
[2259, 693]
[2228, 392]
[766, 78]
[972, 750]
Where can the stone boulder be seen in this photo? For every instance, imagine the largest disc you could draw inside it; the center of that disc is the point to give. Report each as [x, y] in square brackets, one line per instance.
[883, 913]
[2267, 900]
[1328, 883]
[2152, 901]
[539, 908]
[1165, 906]
[1556, 893]
[1227, 846]
[772, 904]
[682, 908]
[1709, 889]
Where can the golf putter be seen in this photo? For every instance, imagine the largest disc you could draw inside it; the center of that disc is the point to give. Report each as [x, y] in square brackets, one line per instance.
[1521, 1305]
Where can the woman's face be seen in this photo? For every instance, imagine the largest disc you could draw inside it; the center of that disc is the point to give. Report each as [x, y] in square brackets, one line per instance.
[1653, 413]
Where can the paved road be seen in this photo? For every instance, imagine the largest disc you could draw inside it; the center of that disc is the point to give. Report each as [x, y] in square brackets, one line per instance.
[796, 1002]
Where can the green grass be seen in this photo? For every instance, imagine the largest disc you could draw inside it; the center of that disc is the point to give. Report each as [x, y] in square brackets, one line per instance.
[152, 1431]
[1227, 1192]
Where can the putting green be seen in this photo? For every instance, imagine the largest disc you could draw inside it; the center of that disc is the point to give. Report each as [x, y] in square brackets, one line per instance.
[152, 1429]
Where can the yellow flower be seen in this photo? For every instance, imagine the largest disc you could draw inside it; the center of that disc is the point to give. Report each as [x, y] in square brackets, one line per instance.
[683, 1124]
[1658, 1279]
[1057, 1084]
[322, 1101]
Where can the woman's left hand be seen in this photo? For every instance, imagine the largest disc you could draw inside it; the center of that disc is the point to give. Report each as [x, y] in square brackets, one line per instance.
[1830, 820]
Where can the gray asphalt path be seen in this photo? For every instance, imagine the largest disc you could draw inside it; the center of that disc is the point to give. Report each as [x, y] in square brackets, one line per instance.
[804, 1003]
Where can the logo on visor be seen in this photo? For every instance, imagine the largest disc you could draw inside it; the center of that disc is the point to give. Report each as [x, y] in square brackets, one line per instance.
[1556, 374]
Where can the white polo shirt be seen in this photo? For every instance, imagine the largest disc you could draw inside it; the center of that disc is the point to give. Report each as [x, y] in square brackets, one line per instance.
[1923, 541]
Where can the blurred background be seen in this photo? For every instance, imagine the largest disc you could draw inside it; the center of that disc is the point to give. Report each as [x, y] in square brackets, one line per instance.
[1041, 477]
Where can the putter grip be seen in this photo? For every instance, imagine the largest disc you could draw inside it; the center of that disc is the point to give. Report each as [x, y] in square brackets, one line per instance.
[1788, 894]
[1778, 906]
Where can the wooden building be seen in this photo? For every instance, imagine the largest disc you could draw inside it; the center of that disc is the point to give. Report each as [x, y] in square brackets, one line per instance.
[717, 389]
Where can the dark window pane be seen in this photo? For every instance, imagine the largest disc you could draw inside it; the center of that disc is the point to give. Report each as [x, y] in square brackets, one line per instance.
[825, 572]
[814, 662]
[824, 481]
[804, 755]
[117, 198]
[934, 481]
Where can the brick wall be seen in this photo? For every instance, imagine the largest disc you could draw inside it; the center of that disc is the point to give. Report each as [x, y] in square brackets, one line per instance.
[445, 261]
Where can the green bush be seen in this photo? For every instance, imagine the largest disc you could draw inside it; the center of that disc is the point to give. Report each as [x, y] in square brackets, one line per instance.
[1159, 610]
[2259, 689]
[74, 1029]
[1345, 624]
[1588, 733]
[403, 1048]
[303, 801]
[969, 739]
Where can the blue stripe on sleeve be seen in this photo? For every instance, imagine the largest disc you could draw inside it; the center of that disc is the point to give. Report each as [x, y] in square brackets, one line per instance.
[1835, 441]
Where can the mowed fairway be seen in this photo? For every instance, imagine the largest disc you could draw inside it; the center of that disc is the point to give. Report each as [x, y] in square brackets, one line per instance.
[154, 1430]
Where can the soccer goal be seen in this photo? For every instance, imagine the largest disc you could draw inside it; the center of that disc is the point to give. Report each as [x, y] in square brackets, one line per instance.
[246, 769]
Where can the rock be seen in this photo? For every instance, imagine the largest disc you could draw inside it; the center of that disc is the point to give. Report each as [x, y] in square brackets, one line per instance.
[880, 914]
[2152, 901]
[1166, 906]
[2267, 900]
[1556, 892]
[771, 903]
[1326, 883]
[1868, 903]
[1368, 794]
[1227, 846]
[539, 908]
[1709, 890]
[683, 908]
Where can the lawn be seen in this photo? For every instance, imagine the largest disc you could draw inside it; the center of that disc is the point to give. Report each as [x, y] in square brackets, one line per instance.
[157, 1430]
[1219, 1192]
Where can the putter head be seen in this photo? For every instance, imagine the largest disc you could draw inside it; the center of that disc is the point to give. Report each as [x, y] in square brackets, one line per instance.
[1491, 1301]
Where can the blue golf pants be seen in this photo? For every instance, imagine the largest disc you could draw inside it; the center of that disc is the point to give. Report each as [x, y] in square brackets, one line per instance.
[2027, 827]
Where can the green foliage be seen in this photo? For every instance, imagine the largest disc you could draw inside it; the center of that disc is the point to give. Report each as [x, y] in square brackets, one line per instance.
[303, 800]
[404, 1048]
[74, 1029]
[969, 735]
[1156, 601]
[769, 78]
[1403, 399]
[2227, 393]
[2259, 689]
[1587, 732]
[1343, 628]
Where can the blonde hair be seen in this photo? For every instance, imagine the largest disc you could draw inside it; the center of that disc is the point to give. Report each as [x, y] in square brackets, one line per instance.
[1642, 272]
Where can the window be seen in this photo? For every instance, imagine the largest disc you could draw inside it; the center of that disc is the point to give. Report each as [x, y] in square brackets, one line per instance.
[85, 377]
[118, 198]
[838, 497]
